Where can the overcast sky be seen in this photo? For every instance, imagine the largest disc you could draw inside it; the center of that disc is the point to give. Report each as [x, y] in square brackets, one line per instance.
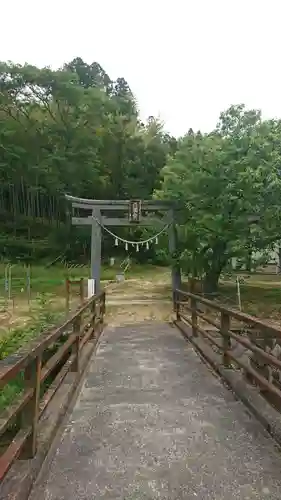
[185, 60]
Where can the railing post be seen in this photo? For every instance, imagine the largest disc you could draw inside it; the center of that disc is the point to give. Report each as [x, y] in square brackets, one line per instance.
[194, 317]
[76, 345]
[174, 300]
[30, 414]
[103, 307]
[226, 340]
[67, 295]
[93, 318]
[176, 304]
[81, 290]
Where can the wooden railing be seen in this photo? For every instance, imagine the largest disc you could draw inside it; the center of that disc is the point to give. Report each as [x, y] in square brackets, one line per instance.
[230, 329]
[69, 284]
[39, 372]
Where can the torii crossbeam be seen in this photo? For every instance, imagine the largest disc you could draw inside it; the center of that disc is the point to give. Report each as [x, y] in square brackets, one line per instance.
[98, 213]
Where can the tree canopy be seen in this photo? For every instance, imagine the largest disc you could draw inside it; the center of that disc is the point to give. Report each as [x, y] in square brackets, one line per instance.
[68, 131]
[77, 131]
[227, 185]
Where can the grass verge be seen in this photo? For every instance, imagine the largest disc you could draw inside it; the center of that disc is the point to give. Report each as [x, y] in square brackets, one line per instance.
[43, 319]
[260, 295]
[45, 315]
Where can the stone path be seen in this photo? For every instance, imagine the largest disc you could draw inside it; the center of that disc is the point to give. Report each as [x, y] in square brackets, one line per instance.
[152, 421]
[147, 298]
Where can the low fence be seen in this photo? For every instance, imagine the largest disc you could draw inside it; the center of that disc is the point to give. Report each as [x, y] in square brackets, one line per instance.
[69, 284]
[21, 285]
[38, 373]
[249, 343]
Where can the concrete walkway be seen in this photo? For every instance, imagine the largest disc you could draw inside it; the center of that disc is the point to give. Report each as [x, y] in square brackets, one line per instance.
[153, 422]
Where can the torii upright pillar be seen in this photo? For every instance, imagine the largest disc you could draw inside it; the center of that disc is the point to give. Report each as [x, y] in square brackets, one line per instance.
[96, 249]
[176, 274]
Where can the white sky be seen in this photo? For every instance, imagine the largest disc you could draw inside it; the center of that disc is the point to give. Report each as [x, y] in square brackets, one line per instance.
[185, 60]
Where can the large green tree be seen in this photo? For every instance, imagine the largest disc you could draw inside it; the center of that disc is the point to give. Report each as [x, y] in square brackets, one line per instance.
[73, 130]
[227, 186]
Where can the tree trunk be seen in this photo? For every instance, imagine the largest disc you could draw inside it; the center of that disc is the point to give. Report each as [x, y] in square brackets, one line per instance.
[215, 268]
[211, 280]
[249, 261]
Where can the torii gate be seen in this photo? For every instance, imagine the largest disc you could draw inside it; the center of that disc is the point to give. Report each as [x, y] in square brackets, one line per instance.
[98, 214]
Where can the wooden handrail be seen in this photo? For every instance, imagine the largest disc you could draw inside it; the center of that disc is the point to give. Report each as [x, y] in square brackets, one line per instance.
[37, 364]
[68, 284]
[240, 316]
[9, 367]
[227, 334]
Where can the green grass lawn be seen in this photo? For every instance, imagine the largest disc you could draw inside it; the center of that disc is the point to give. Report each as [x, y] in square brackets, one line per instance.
[49, 282]
[49, 285]
[260, 295]
[44, 279]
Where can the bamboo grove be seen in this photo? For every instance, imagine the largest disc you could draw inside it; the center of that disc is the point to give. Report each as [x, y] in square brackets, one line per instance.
[68, 131]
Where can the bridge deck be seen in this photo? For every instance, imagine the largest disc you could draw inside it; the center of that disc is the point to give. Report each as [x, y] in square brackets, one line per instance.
[153, 421]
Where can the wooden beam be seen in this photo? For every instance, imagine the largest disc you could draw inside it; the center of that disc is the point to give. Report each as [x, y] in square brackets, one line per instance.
[123, 221]
[121, 207]
[119, 221]
[118, 204]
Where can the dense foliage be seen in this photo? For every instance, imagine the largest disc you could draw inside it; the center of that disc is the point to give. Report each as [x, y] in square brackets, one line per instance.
[76, 131]
[228, 187]
[69, 131]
